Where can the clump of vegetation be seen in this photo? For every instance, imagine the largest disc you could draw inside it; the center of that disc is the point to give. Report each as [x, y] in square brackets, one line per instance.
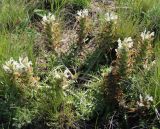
[52, 30]
[21, 74]
[98, 70]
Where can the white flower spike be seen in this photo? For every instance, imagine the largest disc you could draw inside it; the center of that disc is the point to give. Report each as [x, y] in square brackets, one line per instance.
[147, 35]
[127, 43]
[110, 16]
[20, 67]
[82, 13]
[48, 19]
[119, 44]
[149, 98]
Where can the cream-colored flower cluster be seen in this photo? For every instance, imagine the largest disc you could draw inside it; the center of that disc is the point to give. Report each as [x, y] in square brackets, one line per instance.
[111, 16]
[62, 78]
[147, 35]
[48, 19]
[127, 43]
[21, 73]
[52, 29]
[18, 67]
[145, 101]
[82, 14]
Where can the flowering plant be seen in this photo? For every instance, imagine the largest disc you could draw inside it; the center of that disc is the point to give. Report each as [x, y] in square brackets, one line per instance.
[85, 25]
[82, 14]
[15, 67]
[21, 73]
[147, 35]
[48, 19]
[127, 43]
[133, 57]
[145, 102]
[52, 30]
[111, 16]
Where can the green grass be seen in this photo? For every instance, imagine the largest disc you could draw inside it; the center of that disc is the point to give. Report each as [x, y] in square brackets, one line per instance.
[12, 12]
[145, 12]
[81, 3]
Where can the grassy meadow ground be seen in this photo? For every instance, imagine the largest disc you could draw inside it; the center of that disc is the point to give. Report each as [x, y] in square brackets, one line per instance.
[79, 64]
